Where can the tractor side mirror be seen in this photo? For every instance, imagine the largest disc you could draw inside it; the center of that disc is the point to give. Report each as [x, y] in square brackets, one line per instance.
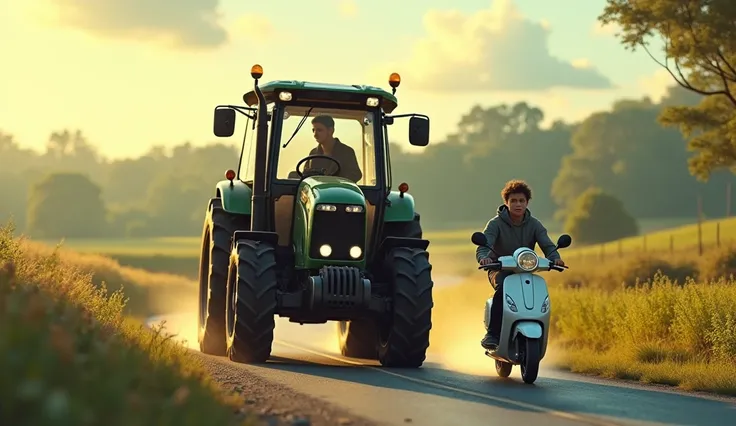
[419, 131]
[224, 122]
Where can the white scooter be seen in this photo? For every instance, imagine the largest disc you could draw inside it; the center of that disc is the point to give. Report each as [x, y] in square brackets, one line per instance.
[525, 323]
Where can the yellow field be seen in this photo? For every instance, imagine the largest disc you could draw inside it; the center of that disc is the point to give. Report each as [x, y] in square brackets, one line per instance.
[451, 250]
[441, 242]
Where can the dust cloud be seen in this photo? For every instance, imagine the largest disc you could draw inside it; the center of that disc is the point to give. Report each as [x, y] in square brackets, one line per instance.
[457, 325]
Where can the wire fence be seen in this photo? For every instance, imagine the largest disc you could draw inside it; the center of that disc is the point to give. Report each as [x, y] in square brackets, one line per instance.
[698, 240]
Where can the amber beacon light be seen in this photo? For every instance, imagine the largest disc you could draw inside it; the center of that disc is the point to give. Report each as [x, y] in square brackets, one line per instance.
[256, 71]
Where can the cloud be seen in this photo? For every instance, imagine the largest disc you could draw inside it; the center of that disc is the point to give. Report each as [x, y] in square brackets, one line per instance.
[254, 27]
[348, 8]
[609, 30]
[656, 85]
[188, 24]
[494, 49]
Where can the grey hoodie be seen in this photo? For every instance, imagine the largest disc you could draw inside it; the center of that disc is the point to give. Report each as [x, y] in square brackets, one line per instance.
[505, 237]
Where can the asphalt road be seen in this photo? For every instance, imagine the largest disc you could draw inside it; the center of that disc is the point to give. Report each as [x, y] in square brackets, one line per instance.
[467, 392]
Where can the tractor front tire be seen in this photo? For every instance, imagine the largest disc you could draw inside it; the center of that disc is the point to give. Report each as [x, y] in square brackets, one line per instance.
[404, 337]
[251, 301]
[357, 338]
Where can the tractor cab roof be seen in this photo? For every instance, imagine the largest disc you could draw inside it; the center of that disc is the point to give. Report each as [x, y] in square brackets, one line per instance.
[323, 93]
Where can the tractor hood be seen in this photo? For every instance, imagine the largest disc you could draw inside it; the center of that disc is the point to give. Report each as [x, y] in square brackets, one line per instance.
[331, 190]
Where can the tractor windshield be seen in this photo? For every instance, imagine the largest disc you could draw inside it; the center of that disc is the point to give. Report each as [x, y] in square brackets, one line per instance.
[345, 135]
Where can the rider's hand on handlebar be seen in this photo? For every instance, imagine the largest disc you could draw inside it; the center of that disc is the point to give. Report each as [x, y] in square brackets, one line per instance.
[486, 261]
[559, 262]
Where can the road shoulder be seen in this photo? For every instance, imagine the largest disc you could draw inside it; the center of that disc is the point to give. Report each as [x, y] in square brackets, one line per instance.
[275, 403]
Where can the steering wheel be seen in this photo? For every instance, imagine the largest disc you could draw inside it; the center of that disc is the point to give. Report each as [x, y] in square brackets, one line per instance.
[315, 172]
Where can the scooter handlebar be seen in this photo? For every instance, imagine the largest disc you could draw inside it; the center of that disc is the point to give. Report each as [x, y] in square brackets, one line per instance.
[497, 265]
[492, 265]
[557, 268]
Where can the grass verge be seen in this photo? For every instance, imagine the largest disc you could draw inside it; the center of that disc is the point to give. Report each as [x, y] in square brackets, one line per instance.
[658, 330]
[148, 291]
[69, 356]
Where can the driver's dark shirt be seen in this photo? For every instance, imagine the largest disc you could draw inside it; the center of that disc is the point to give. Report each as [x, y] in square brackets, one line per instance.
[349, 168]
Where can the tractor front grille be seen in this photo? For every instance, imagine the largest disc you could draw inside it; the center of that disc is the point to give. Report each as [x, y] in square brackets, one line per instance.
[340, 230]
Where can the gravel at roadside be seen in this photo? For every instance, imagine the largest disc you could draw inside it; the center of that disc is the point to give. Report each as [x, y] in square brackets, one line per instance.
[275, 403]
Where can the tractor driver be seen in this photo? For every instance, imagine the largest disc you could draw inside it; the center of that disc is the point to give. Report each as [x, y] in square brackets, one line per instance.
[323, 128]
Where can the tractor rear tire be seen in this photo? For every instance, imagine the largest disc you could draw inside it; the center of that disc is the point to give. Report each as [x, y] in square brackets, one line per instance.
[219, 227]
[358, 338]
[251, 301]
[404, 338]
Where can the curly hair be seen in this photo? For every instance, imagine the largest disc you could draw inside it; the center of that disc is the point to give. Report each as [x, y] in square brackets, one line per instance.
[516, 187]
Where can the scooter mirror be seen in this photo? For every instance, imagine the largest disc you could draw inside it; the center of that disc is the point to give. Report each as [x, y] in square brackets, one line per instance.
[479, 239]
[564, 241]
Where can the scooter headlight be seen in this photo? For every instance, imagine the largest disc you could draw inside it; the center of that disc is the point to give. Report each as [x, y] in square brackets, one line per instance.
[528, 260]
[511, 304]
[545, 305]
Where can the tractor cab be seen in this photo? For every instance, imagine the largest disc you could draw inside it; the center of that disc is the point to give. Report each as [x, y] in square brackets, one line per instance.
[312, 228]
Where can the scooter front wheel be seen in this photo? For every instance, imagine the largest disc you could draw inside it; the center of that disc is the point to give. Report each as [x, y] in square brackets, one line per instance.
[530, 361]
[503, 368]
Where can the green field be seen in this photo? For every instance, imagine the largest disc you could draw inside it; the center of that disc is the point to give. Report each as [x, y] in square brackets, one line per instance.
[453, 249]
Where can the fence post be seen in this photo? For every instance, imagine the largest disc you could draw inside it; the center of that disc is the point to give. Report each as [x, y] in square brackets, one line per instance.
[700, 226]
[672, 244]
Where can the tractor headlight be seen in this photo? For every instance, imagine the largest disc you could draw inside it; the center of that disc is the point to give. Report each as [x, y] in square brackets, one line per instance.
[326, 208]
[325, 250]
[285, 96]
[354, 209]
[527, 260]
[355, 252]
[372, 102]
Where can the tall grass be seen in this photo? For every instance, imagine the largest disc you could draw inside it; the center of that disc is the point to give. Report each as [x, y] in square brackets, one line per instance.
[659, 331]
[147, 291]
[69, 356]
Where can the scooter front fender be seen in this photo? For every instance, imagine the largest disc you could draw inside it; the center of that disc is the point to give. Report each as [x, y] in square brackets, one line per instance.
[528, 329]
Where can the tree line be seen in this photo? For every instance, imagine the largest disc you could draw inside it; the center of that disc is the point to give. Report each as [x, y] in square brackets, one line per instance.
[70, 190]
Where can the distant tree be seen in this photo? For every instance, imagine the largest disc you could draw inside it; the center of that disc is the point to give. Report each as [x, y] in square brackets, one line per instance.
[699, 41]
[597, 217]
[66, 205]
[13, 193]
[619, 149]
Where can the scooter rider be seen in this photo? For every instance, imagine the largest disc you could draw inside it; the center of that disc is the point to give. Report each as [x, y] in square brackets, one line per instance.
[511, 228]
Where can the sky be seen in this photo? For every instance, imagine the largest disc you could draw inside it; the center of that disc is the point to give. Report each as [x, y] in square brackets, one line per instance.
[135, 74]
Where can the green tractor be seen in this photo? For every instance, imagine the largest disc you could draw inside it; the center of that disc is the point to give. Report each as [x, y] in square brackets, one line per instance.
[311, 245]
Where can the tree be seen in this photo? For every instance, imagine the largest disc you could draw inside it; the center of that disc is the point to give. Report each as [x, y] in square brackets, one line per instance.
[66, 205]
[598, 217]
[700, 39]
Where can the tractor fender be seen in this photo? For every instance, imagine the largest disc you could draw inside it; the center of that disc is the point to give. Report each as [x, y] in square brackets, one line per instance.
[399, 209]
[235, 196]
